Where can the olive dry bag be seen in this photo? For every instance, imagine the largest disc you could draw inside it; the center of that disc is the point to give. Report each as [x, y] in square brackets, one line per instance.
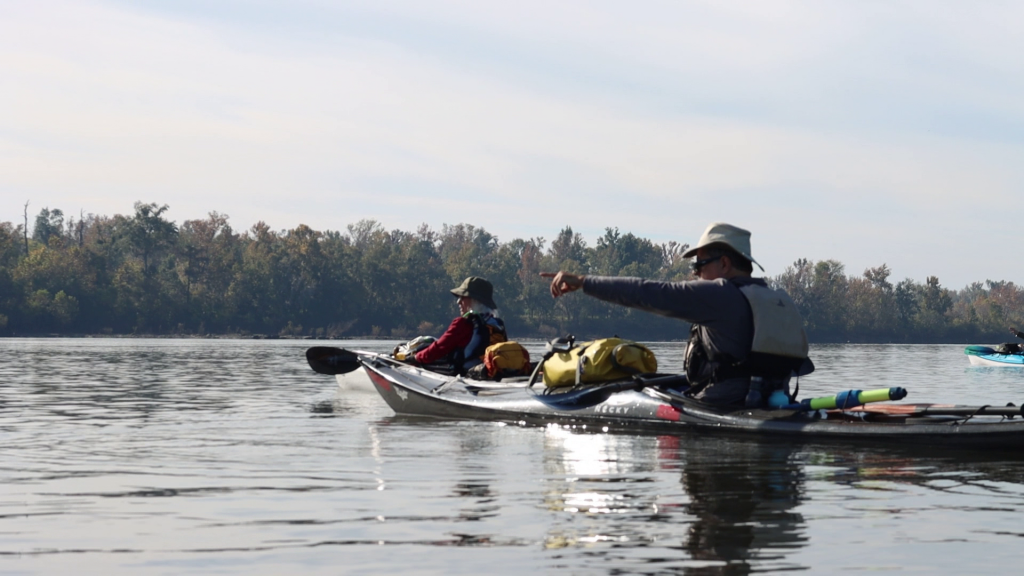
[598, 361]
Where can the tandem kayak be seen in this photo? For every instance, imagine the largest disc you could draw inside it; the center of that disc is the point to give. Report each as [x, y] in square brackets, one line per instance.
[653, 404]
[987, 356]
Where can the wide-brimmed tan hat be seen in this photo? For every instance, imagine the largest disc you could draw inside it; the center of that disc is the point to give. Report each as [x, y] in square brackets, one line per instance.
[726, 234]
[478, 289]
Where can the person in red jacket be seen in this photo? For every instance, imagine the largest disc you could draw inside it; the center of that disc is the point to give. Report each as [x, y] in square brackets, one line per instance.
[462, 345]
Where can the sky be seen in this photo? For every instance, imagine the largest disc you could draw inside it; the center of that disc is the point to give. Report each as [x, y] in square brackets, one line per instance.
[869, 132]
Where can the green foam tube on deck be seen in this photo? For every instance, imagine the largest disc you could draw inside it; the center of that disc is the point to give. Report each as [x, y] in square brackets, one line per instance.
[849, 399]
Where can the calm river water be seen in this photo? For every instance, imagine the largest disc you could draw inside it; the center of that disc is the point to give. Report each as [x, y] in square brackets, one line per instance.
[232, 457]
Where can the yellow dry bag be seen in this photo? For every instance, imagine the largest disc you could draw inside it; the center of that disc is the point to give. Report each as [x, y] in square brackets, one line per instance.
[598, 361]
[506, 359]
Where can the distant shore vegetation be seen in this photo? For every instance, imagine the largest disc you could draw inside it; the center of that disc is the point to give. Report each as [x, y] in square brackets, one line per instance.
[142, 274]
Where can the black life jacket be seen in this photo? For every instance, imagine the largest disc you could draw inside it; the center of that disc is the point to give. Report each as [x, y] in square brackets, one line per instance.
[487, 330]
[1009, 348]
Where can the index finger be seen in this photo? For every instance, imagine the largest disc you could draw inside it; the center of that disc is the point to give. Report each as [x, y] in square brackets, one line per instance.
[549, 274]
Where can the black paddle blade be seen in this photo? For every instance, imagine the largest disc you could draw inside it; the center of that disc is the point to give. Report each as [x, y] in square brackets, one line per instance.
[330, 360]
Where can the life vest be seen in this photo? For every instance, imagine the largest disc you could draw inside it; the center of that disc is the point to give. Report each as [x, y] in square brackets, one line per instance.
[1008, 348]
[487, 330]
[778, 347]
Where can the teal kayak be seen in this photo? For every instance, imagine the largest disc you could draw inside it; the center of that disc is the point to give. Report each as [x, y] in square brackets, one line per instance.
[987, 356]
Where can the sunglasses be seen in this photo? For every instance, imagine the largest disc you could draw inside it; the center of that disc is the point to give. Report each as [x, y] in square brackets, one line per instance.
[698, 264]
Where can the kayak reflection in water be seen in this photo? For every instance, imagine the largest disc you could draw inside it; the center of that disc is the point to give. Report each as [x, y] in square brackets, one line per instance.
[746, 339]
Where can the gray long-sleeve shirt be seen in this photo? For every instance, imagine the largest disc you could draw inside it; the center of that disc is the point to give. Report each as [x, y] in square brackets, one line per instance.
[716, 306]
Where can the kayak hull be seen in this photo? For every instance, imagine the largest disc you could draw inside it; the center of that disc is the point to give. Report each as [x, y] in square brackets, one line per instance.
[1004, 360]
[985, 356]
[412, 391]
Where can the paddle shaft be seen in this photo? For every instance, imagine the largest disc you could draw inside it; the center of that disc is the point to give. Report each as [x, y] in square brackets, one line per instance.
[941, 410]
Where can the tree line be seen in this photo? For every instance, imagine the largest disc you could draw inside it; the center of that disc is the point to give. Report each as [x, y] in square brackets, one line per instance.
[143, 274]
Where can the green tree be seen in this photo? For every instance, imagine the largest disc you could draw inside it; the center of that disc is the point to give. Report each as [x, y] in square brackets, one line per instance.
[464, 249]
[345, 299]
[905, 295]
[147, 299]
[259, 287]
[11, 300]
[931, 321]
[148, 233]
[48, 223]
[820, 290]
[870, 301]
[207, 252]
[568, 252]
[625, 255]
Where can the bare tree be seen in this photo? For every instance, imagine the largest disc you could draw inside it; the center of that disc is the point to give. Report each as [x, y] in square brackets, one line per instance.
[26, 227]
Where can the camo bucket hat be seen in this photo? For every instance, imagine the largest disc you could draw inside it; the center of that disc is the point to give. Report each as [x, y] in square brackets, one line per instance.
[478, 289]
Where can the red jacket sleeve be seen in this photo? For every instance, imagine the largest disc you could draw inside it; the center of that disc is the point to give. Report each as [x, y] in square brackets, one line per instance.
[458, 335]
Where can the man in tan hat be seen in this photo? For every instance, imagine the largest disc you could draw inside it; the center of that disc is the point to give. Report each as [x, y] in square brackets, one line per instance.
[463, 343]
[745, 339]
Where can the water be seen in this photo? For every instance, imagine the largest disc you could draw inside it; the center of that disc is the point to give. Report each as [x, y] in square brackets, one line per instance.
[231, 457]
